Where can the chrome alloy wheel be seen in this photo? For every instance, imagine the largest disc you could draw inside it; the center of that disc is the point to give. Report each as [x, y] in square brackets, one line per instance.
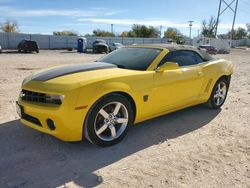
[111, 121]
[220, 93]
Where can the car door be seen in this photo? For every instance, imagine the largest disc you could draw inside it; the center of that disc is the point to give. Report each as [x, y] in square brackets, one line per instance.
[179, 87]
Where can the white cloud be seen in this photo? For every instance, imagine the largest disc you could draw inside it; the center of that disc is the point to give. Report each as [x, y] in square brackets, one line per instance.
[152, 22]
[91, 12]
[149, 22]
[229, 26]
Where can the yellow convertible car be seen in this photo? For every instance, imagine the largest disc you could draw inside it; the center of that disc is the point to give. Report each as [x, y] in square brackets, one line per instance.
[101, 100]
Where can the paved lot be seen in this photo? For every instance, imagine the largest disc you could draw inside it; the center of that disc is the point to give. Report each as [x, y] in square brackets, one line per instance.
[195, 147]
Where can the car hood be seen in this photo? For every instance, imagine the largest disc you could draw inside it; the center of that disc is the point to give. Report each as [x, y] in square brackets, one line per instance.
[76, 75]
[70, 69]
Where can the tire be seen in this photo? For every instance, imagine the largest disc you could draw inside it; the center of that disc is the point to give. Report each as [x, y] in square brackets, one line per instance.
[109, 120]
[218, 97]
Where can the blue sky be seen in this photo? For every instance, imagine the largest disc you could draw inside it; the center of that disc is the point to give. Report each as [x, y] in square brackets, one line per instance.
[46, 16]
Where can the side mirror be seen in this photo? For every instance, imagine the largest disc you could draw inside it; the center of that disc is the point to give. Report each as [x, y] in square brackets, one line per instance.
[168, 66]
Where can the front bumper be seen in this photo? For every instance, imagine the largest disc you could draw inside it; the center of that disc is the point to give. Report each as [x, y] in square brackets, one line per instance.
[67, 120]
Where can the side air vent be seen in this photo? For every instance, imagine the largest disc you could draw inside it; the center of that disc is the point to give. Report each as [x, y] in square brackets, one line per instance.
[208, 85]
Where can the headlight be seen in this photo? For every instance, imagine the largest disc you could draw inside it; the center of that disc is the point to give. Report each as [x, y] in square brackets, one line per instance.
[55, 99]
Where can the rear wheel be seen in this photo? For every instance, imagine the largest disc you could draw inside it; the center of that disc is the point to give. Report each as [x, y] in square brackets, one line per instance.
[109, 120]
[219, 94]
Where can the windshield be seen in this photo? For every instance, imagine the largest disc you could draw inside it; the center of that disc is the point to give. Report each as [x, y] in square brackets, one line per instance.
[131, 58]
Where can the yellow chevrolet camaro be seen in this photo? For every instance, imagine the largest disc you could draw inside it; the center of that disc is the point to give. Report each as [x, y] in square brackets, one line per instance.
[101, 100]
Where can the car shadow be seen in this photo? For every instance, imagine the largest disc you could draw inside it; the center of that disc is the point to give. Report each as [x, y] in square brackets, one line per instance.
[16, 52]
[32, 159]
[75, 52]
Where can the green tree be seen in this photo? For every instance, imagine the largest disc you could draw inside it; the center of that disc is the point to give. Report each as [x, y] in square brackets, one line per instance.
[208, 27]
[143, 31]
[87, 35]
[65, 33]
[124, 34]
[9, 26]
[102, 33]
[240, 33]
[175, 35]
[248, 29]
[172, 33]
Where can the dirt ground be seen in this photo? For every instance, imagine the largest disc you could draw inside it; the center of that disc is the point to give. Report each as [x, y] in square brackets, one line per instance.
[195, 147]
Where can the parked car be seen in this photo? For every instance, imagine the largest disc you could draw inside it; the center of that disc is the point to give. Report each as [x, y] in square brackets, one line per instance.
[28, 46]
[115, 46]
[223, 51]
[101, 100]
[210, 49]
[1, 50]
[100, 46]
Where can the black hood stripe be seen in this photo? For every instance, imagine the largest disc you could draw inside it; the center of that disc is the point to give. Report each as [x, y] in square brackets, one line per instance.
[71, 69]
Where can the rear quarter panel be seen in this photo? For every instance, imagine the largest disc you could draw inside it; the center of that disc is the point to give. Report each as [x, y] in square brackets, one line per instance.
[212, 71]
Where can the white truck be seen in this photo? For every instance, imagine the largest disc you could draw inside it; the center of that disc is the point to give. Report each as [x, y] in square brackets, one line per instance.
[222, 45]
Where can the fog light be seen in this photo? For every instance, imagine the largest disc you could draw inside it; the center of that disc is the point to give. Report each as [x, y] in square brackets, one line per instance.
[51, 124]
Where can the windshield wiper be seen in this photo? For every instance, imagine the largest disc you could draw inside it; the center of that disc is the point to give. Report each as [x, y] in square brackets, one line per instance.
[120, 66]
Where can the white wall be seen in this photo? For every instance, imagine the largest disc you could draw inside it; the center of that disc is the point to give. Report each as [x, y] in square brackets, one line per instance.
[11, 40]
[248, 42]
[240, 42]
[220, 44]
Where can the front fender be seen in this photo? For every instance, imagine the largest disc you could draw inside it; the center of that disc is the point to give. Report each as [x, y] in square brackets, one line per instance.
[229, 69]
[90, 94]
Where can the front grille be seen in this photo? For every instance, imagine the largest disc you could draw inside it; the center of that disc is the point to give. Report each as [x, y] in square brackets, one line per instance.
[33, 96]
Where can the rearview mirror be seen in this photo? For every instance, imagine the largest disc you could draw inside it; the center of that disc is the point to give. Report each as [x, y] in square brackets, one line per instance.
[167, 66]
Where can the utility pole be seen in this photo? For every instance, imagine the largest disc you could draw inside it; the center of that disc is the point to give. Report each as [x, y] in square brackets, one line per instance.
[217, 21]
[160, 30]
[190, 28]
[112, 28]
[230, 7]
[235, 12]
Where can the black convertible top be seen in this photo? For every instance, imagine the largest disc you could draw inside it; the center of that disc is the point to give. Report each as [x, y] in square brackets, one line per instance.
[174, 47]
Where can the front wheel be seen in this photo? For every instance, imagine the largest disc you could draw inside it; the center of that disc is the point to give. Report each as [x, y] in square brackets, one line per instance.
[108, 120]
[219, 94]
